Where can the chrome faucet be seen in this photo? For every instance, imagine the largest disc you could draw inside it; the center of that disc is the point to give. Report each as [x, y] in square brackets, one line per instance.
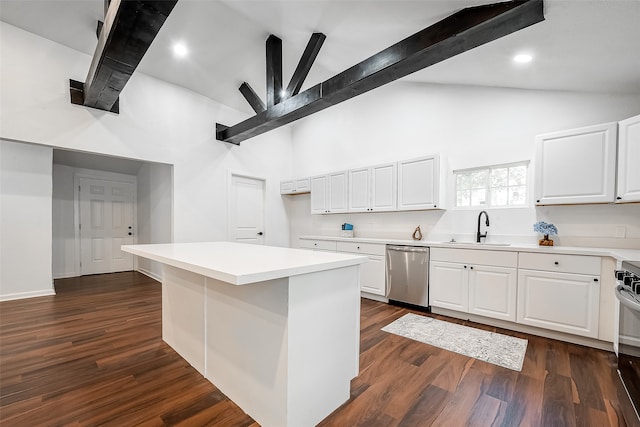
[478, 235]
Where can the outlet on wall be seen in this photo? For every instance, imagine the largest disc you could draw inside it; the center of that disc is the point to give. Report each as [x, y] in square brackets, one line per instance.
[621, 231]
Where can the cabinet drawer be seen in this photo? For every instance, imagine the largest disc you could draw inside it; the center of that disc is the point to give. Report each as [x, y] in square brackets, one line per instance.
[579, 264]
[323, 245]
[361, 248]
[474, 256]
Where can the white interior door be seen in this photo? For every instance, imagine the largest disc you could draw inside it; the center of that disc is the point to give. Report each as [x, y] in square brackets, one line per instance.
[106, 222]
[246, 209]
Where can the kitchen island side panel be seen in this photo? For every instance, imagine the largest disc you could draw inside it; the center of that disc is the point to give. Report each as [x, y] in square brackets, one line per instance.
[324, 342]
[183, 315]
[246, 346]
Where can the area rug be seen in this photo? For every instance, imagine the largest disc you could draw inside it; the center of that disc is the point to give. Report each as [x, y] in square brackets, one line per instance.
[501, 350]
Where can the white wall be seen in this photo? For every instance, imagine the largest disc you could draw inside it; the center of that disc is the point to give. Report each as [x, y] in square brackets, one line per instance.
[158, 122]
[470, 127]
[25, 220]
[154, 211]
[64, 243]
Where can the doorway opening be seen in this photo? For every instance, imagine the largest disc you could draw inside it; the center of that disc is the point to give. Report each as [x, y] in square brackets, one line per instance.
[102, 202]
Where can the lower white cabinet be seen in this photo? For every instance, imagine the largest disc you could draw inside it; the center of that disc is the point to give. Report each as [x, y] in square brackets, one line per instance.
[318, 245]
[492, 292]
[372, 273]
[448, 285]
[564, 302]
[471, 286]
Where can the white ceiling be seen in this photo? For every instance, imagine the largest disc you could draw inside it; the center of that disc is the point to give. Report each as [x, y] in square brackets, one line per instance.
[583, 45]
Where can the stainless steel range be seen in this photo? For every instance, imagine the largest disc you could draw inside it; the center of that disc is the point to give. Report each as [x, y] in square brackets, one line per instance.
[628, 348]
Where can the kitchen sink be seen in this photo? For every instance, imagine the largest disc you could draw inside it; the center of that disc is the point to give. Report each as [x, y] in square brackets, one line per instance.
[477, 244]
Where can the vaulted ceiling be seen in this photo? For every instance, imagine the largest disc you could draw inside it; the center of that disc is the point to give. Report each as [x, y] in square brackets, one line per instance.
[583, 45]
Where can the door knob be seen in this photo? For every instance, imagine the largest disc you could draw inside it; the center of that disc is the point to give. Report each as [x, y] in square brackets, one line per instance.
[260, 233]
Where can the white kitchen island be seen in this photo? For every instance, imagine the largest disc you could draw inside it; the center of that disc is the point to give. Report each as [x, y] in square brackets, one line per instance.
[275, 329]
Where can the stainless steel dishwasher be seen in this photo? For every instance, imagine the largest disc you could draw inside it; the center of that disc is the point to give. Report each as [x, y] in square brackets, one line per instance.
[408, 274]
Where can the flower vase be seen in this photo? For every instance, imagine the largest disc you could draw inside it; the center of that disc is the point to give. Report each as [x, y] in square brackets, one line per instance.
[545, 241]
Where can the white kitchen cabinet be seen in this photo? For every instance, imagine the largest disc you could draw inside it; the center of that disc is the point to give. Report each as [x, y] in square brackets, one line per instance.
[564, 302]
[628, 156]
[373, 189]
[329, 193]
[559, 292]
[419, 183]
[472, 281]
[372, 273]
[295, 186]
[318, 245]
[449, 285]
[576, 166]
[492, 291]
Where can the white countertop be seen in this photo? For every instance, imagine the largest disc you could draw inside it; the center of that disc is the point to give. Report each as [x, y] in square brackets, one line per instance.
[241, 263]
[619, 254]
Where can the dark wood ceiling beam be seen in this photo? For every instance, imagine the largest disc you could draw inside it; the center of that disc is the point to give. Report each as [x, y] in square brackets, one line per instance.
[274, 70]
[252, 98]
[462, 31]
[129, 29]
[304, 65]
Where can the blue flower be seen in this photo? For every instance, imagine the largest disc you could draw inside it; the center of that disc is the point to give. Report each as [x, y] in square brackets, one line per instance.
[544, 228]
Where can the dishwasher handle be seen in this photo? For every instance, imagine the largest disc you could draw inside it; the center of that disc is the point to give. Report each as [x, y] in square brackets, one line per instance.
[420, 249]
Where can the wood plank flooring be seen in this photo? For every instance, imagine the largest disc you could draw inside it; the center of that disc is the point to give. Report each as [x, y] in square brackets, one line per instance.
[93, 355]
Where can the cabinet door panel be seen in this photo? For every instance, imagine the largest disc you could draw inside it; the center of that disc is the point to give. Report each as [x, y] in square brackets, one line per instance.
[302, 185]
[359, 190]
[628, 155]
[576, 166]
[448, 286]
[384, 187]
[319, 194]
[372, 276]
[559, 301]
[492, 292]
[418, 183]
[337, 192]
[287, 187]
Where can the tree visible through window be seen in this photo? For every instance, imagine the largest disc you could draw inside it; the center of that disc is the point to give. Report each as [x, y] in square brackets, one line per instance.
[493, 186]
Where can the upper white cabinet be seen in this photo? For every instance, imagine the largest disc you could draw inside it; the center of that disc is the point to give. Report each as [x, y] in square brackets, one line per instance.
[628, 156]
[329, 193]
[373, 189]
[295, 186]
[576, 166]
[418, 183]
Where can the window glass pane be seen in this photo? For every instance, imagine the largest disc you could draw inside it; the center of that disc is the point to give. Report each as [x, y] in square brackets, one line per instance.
[478, 197]
[479, 179]
[463, 198]
[462, 181]
[499, 177]
[518, 175]
[499, 196]
[517, 195]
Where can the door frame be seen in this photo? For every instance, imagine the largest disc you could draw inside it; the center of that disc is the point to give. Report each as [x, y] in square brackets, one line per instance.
[230, 174]
[104, 176]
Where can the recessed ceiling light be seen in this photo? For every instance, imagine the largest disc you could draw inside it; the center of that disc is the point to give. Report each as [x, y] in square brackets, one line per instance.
[523, 58]
[180, 50]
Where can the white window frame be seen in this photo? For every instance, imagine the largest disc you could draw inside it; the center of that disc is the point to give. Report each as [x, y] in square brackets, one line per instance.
[487, 204]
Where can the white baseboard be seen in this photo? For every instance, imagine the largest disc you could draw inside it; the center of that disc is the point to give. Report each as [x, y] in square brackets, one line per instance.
[561, 336]
[148, 273]
[65, 275]
[374, 297]
[31, 294]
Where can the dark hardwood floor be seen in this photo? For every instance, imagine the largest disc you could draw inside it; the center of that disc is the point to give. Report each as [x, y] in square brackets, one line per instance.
[93, 355]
